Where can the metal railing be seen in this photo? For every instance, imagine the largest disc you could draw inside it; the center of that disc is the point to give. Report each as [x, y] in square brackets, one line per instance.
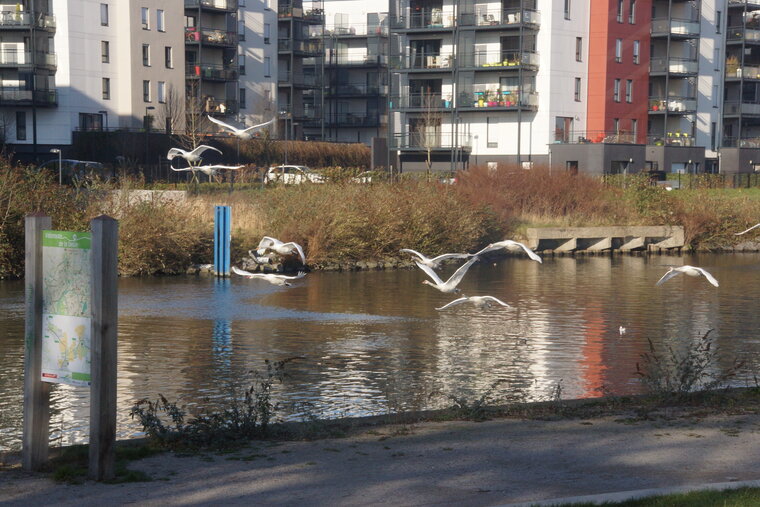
[13, 95]
[672, 104]
[24, 20]
[676, 138]
[500, 59]
[501, 17]
[353, 119]
[13, 58]
[210, 36]
[572, 136]
[355, 89]
[297, 78]
[431, 140]
[678, 27]
[424, 61]
[736, 107]
[433, 19]
[493, 98]
[212, 71]
[742, 33]
[220, 106]
[674, 65]
[353, 29]
[736, 142]
[300, 46]
[312, 15]
[742, 3]
[747, 71]
[226, 5]
[333, 57]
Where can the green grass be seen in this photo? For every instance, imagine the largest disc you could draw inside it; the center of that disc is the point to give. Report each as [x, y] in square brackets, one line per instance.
[740, 497]
[71, 465]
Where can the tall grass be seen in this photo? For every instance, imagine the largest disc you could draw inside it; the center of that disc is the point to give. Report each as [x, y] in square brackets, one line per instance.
[266, 151]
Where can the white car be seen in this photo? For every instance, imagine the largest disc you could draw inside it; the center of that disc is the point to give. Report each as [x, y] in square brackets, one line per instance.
[292, 175]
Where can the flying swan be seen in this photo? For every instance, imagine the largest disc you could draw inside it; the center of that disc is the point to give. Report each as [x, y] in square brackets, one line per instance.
[482, 302]
[244, 134]
[687, 270]
[511, 246]
[435, 262]
[269, 277]
[190, 156]
[451, 284]
[279, 247]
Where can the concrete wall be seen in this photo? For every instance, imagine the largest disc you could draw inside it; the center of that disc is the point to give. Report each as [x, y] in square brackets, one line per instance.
[597, 158]
[671, 158]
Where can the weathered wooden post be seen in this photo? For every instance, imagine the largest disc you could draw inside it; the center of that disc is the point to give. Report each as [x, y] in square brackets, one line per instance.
[36, 392]
[222, 237]
[105, 238]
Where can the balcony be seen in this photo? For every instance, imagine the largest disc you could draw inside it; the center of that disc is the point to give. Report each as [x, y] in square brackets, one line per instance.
[422, 102]
[562, 136]
[355, 120]
[493, 99]
[297, 79]
[210, 37]
[733, 71]
[215, 105]
[425, 21]
[304, 113]
[676, 28]
[12, 96]
[300, 47]
[500, 60]
[355, 30]
[676, 66]
[750, 4]
[424, 62]
[355, 90]
[421, 141]
[672, 105]
[15, 59]
[215, 5]
[676, 138]
[311, 15]
[740, 34]
[23, 21]
[212, 72]
[334, 58]
[734, 142]
[501, 19]
[733, 108]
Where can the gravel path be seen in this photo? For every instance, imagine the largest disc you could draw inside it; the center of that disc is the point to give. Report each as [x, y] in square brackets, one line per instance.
[451, 463]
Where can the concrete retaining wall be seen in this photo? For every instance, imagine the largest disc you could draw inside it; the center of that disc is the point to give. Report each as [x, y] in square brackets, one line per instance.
[599, 239]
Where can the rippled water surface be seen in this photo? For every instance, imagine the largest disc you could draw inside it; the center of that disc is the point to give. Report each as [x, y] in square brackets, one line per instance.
[372, 342]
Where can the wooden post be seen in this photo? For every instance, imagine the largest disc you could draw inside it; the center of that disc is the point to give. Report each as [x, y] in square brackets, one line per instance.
[105, 237]
[36, 392]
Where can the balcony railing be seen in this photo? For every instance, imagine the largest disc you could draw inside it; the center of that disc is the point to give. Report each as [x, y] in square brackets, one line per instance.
[16, 20]
[672, 104]
[735, 142]
[359, 30]
[333, 57]
[220, 106]
[424, 61]
[747, 72]
[225, 5]
[297, 78]
[741, 3]
[210, 36]
[504, 99]
[571, 136]
[676, 27]
[431, 140]
[17, 96]
[300, 46]
[500, 59]
[674, 65]
[12, 58]
[742, 33]
[676, 138]
[422, 101]
[212, 71]
[502, 18]
[307, 13]
[353, 119]
[355, 89]
[433, 19]
[744, 107]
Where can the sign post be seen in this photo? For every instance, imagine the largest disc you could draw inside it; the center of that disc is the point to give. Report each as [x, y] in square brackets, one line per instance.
[222, 237]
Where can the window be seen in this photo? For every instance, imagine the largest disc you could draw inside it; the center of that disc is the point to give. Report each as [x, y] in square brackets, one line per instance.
[267, 66]
[577, 89]
[715, 95]
[616, 125]
[620, 11]
[145, 18]
[146, 55]
[629, 90]
[146, 91]
[632, 13]
[242, 98]
[492, 132]
[241, 61]
[616, 91]
[267, 32]
[567, 9]
[716, 58]
[106, 88]
[712, 135]
[161, 92]
[718, 21]
[635, 129]
[168, 57]
[160, 26]
[103, 14]
[618, 50]
[105, 51]
[21, 125]
[241, 30]
[189, 21]
[636, 52]
[579, 49]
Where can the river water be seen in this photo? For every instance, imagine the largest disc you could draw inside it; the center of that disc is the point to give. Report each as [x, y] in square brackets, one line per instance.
[372, 342]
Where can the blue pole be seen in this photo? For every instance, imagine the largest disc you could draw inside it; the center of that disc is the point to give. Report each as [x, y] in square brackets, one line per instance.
[222, 237]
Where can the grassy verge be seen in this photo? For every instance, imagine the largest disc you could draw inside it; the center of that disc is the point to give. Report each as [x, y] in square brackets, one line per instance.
[739, 497]
[70, 464]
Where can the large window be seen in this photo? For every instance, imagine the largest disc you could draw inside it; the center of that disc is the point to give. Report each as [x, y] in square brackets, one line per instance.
[21, 125]
[618, 50]
[160, 21]
[161, 92]
[632, 13]
[616, 91]
[106, 85]
[105, 51]
[567, 9]
[103, 14]
[146, 55]
[636, 51]
[146, 91]
[619, 11]
[579, 49]
[629, 90]
[168, 57]
[145, 18]
[577, 89]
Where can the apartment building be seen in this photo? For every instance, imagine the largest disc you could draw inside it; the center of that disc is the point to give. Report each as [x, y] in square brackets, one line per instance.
[257, 61]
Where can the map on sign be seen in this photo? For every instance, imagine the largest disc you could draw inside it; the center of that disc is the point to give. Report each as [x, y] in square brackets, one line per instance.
[66, 307]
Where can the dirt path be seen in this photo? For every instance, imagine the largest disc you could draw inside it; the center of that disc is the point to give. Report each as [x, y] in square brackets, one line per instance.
[451, 463]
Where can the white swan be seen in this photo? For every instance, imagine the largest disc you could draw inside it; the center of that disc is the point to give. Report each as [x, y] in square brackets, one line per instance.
[190, 156]
[435, 261]
[244, 134]
[451, 284]
[269, 277]
[259, 259]
[210, 170]
[279, 247]
[512, 246]
[482, 302]
[687, 270]
[745, 232]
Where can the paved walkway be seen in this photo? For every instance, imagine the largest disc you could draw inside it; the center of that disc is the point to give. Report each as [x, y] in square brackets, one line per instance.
[454, 463]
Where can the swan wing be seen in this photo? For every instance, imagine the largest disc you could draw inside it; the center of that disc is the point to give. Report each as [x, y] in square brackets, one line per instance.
[181, 169]
[267, 242]
[495, 300]
[489, 248]
[667, 276]
[222, 124]
[175, 152]
[745, 232]
[707, 275]
[429, 271]
[445, 256]
[414, 252]
[203, 147]
[530, 252]
[300, 250]
[243, 272]
[300, 274]
[260, 125]
[459, 273]
[457, 301]
[218, 166]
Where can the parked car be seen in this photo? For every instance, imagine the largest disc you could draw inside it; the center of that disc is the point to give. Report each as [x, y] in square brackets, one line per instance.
[292, 175]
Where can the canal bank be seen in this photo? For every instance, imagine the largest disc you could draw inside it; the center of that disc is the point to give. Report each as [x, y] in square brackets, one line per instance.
[494, 462]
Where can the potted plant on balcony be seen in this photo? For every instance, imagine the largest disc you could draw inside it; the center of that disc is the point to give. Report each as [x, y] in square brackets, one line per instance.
[732, 65]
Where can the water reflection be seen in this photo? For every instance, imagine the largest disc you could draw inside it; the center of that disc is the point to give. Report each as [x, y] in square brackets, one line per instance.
[372, 342]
